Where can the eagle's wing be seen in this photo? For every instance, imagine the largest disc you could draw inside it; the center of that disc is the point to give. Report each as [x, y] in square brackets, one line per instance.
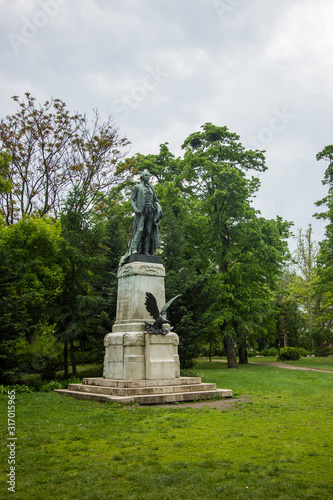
[151, 305]
[168, 304]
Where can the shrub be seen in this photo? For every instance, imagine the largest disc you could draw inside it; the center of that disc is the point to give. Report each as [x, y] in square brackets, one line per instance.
[323, 351]
[303, 352]
[9, 377]
[19, 389]
[250, 354]
[43, 355]
[185, 372]
[272, 351]
[40, 386]
[50, 386]
[289, 353]
[322, 340]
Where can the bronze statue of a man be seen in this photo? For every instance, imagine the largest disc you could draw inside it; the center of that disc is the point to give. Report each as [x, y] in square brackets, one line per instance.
[148, 213]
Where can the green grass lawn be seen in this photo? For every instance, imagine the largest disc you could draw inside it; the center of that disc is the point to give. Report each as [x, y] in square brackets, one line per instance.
[274, 443]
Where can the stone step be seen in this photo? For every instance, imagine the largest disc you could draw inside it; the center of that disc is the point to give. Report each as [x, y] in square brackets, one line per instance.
[148, 399]
[105, 382]
[90, 396]
[137, 391]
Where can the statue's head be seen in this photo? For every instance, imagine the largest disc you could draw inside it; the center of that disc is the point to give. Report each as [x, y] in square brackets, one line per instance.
[145, 175]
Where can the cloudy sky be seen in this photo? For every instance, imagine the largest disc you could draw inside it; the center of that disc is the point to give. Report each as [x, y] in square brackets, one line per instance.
[162, 68]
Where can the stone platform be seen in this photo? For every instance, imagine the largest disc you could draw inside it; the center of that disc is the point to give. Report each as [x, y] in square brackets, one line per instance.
[145, 392]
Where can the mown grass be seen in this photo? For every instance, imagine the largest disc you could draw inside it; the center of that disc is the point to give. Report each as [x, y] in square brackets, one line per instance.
[275, 442]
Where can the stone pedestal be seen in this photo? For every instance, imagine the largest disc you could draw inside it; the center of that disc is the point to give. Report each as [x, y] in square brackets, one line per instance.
[140, 368]
[130, 352]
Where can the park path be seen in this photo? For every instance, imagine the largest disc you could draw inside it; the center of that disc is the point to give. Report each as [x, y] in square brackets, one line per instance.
[289, 367]
[281, 365]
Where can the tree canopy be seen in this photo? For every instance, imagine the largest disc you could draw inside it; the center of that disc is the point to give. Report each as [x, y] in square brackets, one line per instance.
[220, 235]
[52, 151]
[67, 221]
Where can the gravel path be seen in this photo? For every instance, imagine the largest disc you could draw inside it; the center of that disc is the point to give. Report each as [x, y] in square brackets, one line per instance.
[281, 365]
[289, 367]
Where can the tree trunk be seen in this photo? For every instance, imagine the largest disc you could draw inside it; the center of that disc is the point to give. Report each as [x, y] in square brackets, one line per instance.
[279, 321]
[231, 355]
[310, 310]
[83, 345]
[73, 359]
[242, 354]
[285, 339]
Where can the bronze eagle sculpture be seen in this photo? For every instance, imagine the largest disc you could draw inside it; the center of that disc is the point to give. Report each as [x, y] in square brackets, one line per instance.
[156, 328]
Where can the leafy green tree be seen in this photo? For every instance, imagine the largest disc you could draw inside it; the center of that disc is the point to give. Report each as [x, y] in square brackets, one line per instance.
[5, 183]
[31, 280]
[183, 275]
[219, 243]
[243, 292]
[43, 355]
[324, 287]
[290, 319]
[82, 252]
[53, 151]
[246, 251]
[162, 166]
[305, 257]
[116, 219]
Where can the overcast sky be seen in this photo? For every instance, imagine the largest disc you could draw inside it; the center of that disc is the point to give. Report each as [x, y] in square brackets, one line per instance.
[162, 68]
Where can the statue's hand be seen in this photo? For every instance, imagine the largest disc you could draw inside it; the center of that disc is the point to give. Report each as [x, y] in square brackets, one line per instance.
[137, 211]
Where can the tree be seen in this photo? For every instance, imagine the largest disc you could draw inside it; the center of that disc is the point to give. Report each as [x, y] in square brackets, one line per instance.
[243, 292]
[58, 282]
[290, 321]
[324, 286]
[53, 151]
[31, 280]
[182, 273]
[82, 236]
[115, 217]
[245, 250]
[306, 261]
[5, 183]
[221, 243]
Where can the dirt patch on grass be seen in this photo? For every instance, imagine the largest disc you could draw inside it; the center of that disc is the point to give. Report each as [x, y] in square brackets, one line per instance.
[218, 404]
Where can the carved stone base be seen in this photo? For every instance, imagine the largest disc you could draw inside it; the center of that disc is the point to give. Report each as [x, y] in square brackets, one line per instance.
[124, 356]
[161, 353]
[140, 356]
